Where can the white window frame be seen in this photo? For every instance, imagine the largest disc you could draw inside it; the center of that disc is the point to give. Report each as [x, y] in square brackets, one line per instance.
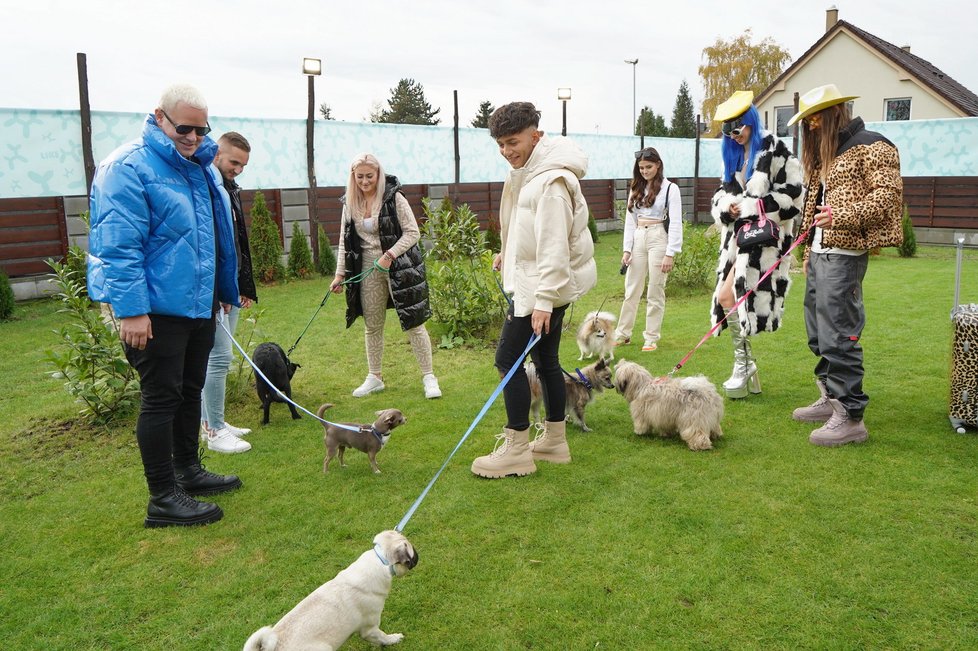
[886, 107]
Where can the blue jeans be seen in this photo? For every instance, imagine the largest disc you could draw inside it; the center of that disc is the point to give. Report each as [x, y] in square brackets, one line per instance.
[218, 365]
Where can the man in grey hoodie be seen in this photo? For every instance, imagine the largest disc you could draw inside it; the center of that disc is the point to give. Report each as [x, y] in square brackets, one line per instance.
[547, 262]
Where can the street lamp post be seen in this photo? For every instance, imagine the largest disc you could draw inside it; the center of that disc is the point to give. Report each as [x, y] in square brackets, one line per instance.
[564, 94]
[634, 63]
[312, 68]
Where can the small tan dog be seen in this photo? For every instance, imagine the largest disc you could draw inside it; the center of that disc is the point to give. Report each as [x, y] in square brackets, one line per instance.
[596, 336]
[689, 406]
[350, 603]
[580, 391]
[369, 439]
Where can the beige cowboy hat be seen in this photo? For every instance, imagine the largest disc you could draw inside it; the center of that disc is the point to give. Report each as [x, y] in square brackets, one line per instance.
[817, 99]
[734, 107]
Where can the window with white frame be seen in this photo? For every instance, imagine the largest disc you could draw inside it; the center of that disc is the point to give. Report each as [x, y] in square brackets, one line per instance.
[897, 109]
[781, 116]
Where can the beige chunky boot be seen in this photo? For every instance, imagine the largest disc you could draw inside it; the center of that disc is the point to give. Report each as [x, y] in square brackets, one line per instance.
[840, 429]
[743, 379]
[551, 444]
[817, 412]
[511, 457]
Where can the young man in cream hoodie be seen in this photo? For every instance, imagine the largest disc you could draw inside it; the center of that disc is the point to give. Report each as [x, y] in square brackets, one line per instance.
[547, 262]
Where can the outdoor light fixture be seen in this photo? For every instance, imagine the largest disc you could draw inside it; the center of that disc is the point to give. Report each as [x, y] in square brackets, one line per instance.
[312, 66]
[564, 94]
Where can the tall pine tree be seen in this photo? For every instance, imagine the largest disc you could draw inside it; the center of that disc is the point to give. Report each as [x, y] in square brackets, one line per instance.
[654, 124]
[408, 105]
[683, 119]
[481, 120]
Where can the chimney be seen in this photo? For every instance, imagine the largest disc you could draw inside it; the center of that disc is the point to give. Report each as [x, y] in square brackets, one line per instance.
[905, 48]
[831, 17]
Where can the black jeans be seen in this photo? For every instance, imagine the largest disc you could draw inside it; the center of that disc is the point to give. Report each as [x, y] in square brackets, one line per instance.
[171, 370]
[834, 319]
[515, 336]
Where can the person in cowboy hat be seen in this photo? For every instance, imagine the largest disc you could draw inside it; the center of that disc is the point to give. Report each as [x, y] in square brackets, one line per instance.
[854, 201]
[759, 173]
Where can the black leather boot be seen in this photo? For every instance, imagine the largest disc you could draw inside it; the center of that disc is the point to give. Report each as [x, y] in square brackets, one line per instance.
[196, 480]
[174, 508]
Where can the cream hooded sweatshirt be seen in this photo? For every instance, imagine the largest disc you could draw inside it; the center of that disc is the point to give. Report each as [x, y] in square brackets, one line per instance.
[547, 251]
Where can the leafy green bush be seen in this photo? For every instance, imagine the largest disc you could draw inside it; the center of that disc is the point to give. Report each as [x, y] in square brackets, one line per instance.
[6, 297]
[695, 266]
[90, 358]
[464, 295]
[300, 255]
[909, 247]
[327, 257]
[494, 240]
[266, 243]
[592, 226]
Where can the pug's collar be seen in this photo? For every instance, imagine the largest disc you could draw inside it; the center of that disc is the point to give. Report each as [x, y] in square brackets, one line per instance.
[386, 563]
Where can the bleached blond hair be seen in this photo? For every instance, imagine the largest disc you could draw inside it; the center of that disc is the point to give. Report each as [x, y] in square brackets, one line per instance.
[185, 93]
[354, 195]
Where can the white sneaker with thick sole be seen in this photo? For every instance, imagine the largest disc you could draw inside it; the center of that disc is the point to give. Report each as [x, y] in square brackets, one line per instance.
[431, 388]
[223, 440]
[237, 431]
[371, 385]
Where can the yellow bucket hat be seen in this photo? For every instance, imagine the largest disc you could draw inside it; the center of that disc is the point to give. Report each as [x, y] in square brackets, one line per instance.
[817, 99]
[736, 106]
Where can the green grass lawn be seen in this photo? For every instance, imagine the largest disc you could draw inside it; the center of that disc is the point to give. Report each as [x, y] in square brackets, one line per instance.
[764, 542]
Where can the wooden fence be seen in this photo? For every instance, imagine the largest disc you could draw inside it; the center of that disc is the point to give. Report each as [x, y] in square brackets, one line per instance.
[33, 230]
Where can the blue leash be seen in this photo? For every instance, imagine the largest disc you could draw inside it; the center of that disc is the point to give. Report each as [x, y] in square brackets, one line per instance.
[495, 394]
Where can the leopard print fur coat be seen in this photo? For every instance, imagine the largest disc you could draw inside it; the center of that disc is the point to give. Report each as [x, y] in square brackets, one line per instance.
[777, 182]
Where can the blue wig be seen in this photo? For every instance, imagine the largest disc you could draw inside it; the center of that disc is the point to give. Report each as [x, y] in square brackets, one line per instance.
[733, 154]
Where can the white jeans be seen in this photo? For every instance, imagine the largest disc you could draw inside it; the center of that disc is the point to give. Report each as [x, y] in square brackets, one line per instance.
[647, 253]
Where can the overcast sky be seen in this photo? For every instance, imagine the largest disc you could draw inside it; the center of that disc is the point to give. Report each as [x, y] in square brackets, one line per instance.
[245, 55]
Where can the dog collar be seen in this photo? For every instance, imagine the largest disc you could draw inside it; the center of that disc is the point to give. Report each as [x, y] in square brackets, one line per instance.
[373, 430]
[583, 380]
[386, 563]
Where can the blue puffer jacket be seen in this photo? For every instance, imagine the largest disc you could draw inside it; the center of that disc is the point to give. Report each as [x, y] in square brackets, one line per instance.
[151, 245]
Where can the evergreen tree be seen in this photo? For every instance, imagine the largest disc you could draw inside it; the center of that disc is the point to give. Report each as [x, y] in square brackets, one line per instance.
[683, 119]
[326, 111]
[327, 258]
[266, 243]
[408, 105]
[6, 297]
[300, 255]
[655, 125]
[481, 120]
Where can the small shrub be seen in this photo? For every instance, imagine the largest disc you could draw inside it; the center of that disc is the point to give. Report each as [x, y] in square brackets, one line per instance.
[464, 295]
[6, 297]
[695, 266]
[592, 226]
[494, 240]
[266, 243]
[621, 207]
[908, 248]
[90, 358]
[327, 257]
[300, 255]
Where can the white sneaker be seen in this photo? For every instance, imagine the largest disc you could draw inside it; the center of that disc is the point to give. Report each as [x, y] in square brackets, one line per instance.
[237, 431]
[371, 385]
[431, 388]
[223, 440]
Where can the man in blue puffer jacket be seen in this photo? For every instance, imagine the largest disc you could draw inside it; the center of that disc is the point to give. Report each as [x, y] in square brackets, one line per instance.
[161, 252]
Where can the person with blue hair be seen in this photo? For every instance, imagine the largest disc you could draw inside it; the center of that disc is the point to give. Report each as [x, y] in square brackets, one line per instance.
[760, 176]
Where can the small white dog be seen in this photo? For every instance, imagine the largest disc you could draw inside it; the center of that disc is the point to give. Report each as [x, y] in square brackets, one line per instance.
[350, 603]
[688, 406]
[596, 336]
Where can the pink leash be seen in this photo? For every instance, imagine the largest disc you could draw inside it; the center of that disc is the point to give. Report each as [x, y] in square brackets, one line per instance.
[801, 238]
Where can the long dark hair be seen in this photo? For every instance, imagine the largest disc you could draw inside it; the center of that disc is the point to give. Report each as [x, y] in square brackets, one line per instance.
[638, 197]
[818, 146]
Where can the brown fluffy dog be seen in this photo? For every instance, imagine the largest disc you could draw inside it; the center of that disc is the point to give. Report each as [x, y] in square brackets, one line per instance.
[688, 406]
[596, 336]
[368, 438]
[579, 393]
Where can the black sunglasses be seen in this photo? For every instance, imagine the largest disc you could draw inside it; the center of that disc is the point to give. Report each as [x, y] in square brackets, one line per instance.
[733, 128]
[648, 153]
[184, 129]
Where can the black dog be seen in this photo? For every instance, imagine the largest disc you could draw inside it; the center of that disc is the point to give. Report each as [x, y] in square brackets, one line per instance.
[279, 369]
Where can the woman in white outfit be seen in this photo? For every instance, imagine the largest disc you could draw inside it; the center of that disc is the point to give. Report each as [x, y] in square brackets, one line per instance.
[653, 237]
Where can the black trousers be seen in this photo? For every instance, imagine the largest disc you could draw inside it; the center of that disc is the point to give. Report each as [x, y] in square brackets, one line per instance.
[515, 336]
[834, 319]
[171, 370]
